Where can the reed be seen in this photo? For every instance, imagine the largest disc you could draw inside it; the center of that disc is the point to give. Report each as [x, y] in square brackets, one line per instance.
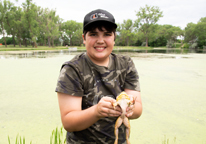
[19, 140]
[57, 137]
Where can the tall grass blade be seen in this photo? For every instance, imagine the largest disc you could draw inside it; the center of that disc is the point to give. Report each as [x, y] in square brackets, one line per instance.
[24, 142]
[9, 140]
[17, 139]
[20, 140]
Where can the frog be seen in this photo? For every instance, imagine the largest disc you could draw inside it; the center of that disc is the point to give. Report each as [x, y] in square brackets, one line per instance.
[123, 100]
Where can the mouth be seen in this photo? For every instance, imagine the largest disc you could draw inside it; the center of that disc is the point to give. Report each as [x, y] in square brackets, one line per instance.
[100, 49]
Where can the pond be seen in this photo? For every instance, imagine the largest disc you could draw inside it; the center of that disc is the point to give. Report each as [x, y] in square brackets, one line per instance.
[73, 51]
[172, 88]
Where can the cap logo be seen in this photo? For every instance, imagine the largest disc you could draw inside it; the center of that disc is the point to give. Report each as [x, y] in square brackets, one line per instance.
[93, 16]
[96, 15]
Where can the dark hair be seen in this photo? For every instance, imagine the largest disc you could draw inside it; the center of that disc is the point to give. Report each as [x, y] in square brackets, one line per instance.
[100, 25]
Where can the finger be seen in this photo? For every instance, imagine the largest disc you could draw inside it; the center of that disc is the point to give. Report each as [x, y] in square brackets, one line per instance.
[130, 108]
[111, 111]
[111, 114]
[129, 114]
[115, 111]
[109, 99]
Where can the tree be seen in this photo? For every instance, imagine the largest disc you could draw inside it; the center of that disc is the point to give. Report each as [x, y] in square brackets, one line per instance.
[126, 32]
[190, 33]
[3, 11]
[52, 26]
[19, 24]
[77, 37]
[10, 16]
[30, 15]
[169, 32]
[201, 32]
[69, 28]
[146, 19]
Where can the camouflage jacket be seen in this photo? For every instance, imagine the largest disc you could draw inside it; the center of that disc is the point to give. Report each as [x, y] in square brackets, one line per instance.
[81, 77]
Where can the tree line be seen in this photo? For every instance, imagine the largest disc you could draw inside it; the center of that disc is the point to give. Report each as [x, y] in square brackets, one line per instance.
[30, 24]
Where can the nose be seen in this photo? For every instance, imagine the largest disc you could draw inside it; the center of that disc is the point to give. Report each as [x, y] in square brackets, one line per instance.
[100, 39]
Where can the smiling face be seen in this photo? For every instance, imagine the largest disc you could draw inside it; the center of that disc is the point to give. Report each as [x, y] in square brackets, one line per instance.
[99, 45]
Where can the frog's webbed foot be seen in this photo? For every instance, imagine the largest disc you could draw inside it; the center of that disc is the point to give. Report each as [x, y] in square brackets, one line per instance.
[132, 100]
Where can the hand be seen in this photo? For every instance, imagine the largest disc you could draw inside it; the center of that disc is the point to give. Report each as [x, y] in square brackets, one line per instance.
[105, 108]
[131, 108]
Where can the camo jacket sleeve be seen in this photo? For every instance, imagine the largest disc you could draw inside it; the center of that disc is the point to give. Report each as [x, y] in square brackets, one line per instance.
[132, 77]
[70, 81]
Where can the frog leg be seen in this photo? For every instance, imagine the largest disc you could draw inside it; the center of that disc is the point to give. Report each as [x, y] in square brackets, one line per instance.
[116, 131]
[127, 124]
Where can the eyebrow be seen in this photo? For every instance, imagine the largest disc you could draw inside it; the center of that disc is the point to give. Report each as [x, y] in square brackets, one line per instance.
[97, 32]
[92, 32]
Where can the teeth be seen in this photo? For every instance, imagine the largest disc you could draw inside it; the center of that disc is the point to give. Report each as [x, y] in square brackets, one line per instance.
[100, 48]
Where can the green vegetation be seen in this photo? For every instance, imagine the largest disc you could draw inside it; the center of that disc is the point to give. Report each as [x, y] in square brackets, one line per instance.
[33, 25]
[57, 137]
[195, 34]
[146, 19]
[168, 141]
[17, 48]
[44, 48]
[19, 140]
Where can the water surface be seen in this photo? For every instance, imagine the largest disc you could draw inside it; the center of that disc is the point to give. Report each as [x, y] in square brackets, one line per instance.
[172, 88]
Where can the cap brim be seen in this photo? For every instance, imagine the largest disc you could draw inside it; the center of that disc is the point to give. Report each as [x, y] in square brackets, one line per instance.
[93, 22]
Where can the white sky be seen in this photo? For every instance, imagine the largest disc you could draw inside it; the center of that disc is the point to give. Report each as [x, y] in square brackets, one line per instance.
[176, 12]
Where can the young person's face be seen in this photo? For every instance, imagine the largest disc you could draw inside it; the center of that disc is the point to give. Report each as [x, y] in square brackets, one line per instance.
[99, 45]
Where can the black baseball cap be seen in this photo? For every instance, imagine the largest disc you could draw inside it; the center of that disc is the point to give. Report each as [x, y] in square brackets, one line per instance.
[98, 16]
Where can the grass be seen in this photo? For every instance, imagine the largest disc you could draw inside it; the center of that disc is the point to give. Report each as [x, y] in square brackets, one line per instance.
[19, 140]
[23, 48]
[17, 48]
[167, 141]
[57, 137]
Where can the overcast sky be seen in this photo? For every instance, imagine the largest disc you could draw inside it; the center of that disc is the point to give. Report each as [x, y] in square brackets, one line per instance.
[176, 12]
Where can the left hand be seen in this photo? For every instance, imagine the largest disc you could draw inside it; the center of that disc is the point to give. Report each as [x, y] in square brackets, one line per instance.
[131, 108]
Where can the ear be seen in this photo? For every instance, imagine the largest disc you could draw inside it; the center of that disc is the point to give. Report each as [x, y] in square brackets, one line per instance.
[83, 37]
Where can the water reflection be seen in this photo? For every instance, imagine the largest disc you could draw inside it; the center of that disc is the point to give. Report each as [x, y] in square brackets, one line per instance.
[132, 52]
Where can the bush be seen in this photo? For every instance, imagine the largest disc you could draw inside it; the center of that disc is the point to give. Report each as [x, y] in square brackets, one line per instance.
[9, 40]
[186, 45]
[178, 45]
[159, 42]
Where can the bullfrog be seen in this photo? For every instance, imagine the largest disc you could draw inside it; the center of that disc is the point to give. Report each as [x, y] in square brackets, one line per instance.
[123, 100]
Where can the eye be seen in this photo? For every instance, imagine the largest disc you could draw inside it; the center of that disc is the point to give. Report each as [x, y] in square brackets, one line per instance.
[92, 34]
[108, 34]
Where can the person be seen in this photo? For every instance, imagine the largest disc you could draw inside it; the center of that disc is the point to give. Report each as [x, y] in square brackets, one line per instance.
[89, 83]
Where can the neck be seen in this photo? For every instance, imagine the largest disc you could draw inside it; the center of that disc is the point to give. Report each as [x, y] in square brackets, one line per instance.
[100, 62]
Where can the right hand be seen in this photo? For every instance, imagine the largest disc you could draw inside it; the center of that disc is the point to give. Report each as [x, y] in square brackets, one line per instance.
[105, 108]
